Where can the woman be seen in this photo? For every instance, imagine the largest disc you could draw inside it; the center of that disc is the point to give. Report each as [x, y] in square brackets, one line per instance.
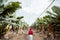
[30, 33]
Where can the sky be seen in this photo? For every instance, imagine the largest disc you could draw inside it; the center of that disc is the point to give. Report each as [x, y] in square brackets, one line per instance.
[32, 9]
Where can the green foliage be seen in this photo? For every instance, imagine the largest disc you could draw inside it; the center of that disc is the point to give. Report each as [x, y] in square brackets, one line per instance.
[39, 23]
[6, 10]
[1, 1]
[20, 17]
[11, 16]
[52, 18]
[55, 17]
[11, 8]
[40, 20]
[56, 9]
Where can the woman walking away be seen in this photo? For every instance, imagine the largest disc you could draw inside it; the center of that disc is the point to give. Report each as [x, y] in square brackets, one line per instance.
[30, 34]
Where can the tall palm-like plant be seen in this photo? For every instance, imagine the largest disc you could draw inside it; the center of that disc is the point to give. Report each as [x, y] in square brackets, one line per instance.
[8, 9]
[40, 24]
[55, 19]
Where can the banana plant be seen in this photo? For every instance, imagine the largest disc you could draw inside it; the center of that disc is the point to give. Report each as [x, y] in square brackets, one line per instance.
[7, 10]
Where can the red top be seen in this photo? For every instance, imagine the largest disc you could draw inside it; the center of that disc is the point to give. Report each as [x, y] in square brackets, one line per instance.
[30, 32]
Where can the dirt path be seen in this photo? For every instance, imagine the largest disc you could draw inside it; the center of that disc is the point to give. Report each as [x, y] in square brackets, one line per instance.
[38, 36]
[14, 36]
